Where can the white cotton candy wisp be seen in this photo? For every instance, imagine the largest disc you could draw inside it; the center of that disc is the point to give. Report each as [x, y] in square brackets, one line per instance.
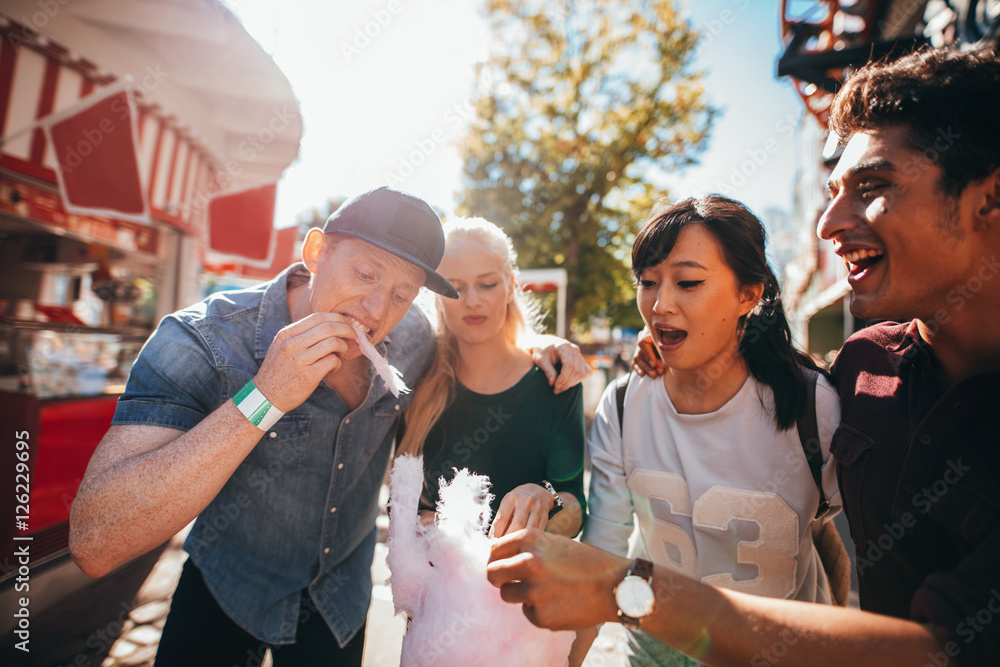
[439, 579]
[392, 378]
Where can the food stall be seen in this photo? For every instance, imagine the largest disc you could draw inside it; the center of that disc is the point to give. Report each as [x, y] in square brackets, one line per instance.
[83, 285]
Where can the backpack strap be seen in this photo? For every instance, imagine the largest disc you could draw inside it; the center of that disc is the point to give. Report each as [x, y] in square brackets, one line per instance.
[809, 437]
[826, 539]
[621, 386]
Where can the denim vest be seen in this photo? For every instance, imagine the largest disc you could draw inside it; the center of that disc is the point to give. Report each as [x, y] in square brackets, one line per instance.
[299, 512]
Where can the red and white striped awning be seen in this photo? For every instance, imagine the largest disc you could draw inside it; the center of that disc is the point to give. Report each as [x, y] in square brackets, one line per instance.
[214, 111]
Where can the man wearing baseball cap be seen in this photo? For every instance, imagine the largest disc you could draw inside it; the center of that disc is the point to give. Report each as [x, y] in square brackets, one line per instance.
[255, 412]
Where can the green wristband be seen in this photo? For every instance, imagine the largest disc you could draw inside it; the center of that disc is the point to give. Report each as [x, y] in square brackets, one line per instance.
[256, 408]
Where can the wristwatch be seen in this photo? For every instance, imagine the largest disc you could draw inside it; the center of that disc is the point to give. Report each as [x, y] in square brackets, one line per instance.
[634, 594]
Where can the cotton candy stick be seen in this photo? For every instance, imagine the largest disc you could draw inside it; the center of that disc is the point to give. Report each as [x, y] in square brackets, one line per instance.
[392, 378]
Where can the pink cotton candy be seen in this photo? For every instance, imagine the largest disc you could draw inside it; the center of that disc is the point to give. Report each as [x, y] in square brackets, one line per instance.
[392, 378]
[458, 617]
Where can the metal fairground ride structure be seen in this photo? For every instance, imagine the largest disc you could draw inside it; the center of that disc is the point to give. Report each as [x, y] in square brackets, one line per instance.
[824, 42]
[826, 39]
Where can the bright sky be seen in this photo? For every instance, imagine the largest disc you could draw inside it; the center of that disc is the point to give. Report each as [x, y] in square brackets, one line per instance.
[384, 87]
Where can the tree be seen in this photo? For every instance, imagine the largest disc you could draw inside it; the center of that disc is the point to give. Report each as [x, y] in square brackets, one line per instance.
[582, 102]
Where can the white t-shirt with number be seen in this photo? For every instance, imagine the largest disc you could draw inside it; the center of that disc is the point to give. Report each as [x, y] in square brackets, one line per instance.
[722, 497]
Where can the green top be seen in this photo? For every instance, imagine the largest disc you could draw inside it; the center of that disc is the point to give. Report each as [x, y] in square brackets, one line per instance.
[522, 435]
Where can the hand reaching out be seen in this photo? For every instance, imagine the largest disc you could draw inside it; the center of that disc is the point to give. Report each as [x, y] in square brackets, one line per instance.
[562, 584]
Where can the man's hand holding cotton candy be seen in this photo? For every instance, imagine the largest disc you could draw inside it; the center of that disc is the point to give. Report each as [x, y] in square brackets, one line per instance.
[301, 356]
[560, 583]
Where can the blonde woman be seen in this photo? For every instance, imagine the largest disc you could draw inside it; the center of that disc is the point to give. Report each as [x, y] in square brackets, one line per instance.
[484, 405]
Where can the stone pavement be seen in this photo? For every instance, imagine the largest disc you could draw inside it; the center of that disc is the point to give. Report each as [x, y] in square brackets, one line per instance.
[140, 635]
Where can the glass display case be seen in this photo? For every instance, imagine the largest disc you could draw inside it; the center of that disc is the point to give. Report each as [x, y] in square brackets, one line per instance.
[48, 360]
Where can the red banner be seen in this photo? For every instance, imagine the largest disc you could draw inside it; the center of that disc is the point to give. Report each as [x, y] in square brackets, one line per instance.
[283, 256]
[96, 146]
[241, 224]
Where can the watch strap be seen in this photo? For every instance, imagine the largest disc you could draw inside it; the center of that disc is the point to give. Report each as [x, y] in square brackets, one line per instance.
[642, 568]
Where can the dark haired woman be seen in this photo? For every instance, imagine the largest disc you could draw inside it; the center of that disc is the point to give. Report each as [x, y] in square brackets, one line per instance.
[707, 459]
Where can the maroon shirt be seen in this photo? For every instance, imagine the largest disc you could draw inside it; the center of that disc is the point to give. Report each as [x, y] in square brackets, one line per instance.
[920, 479]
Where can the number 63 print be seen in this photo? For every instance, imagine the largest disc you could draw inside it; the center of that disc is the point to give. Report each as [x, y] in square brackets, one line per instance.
[772, 553]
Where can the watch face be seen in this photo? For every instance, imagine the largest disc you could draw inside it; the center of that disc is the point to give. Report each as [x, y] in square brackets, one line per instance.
[634, 596]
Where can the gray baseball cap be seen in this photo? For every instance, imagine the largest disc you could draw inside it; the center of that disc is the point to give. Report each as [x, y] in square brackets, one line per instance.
[399, 223]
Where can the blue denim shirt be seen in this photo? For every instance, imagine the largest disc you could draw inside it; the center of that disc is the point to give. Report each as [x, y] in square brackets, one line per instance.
[299, 512]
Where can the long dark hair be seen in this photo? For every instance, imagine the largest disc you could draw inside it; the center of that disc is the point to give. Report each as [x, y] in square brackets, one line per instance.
[765, 339]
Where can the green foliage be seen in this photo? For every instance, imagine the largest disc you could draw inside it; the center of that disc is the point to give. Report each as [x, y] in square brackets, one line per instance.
[583, 101]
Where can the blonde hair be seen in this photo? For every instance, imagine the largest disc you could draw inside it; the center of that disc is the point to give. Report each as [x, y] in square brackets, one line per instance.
[436, 390]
